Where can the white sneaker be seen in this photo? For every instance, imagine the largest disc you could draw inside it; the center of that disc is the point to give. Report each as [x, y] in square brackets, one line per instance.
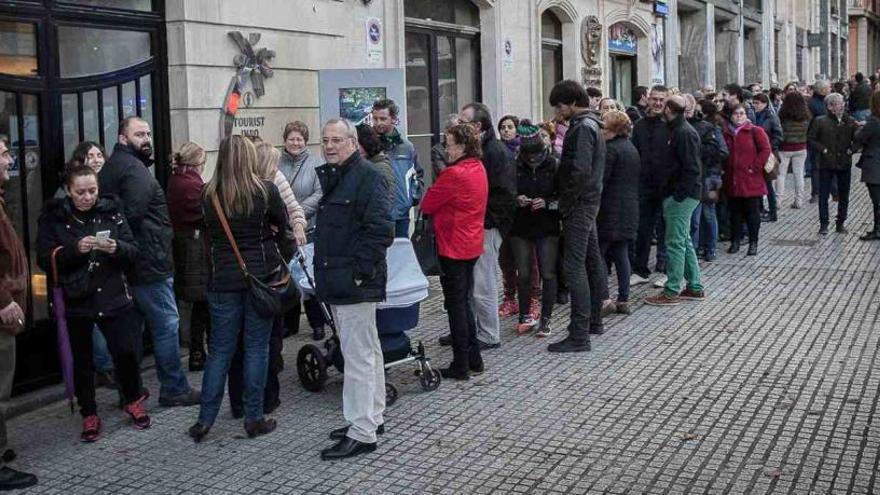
[661, 282]
[636, 279]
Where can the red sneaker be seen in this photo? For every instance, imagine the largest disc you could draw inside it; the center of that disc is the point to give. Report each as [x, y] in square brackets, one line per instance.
[508, 308]
[91, 429]
[663, 300]
[138, 414]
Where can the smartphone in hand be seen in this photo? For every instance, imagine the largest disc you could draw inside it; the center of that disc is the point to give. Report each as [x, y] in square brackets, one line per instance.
[102, 237]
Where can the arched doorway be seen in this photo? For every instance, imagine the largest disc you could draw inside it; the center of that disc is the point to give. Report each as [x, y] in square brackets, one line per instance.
[442, 66]
[70, 71]
[551, 59]
[623, 49]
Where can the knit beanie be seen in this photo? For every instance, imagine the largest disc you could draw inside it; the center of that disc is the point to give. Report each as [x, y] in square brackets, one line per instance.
[530, 139]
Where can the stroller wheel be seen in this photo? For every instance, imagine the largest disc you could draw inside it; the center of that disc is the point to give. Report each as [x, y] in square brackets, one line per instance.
[390, 394]
[311, 366]
[430, 379]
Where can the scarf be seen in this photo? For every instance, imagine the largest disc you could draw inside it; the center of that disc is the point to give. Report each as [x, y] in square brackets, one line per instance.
[391, 140]
[513, 145]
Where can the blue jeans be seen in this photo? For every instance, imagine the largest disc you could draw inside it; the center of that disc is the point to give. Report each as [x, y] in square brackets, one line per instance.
[704, 228]
[401, 228]
[157, 305]
[231, 313]
[100, 352]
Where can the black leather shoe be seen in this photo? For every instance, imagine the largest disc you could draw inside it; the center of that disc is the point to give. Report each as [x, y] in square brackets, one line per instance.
[318, 333]
[870, 236]
[841, 229]
[455, 373]
[8, 456]
[753, 249]
[445, 340]
[198, 431]
[260, 427]
[476, 364]
[597, 329]
[734, 247]
[340, 433]
[347, 447]
[823, 230]
[567, 345]
[10, 479]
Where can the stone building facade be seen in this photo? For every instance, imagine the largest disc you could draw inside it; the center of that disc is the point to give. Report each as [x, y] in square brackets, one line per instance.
[864, 35]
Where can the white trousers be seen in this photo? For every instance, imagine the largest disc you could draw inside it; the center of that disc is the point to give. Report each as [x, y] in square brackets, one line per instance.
[363, 387]
[486, 289]
[797, 160]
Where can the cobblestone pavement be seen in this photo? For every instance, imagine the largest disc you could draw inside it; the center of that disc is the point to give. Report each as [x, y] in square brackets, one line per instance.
[769, 386]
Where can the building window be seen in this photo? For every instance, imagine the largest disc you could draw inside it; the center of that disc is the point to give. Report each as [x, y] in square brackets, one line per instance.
[442, 65]
[18, 48]
[551, 58]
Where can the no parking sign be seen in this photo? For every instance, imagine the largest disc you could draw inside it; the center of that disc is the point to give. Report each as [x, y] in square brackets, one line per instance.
[375, 44]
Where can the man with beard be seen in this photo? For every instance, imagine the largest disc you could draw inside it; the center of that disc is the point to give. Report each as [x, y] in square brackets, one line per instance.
[126, 175]
[580, 173]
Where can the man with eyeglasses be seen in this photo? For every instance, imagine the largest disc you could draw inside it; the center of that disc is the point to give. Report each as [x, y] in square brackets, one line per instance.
[13, 297]
[353, 232]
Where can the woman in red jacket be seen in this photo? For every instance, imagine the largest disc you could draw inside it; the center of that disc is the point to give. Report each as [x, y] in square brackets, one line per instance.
[457, 205]
[744, 176]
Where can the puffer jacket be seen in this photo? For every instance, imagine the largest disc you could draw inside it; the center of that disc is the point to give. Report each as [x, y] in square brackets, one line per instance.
[832, 140]
[300, 174]
[190, 253]
[126, 175]
[408, 174]
[618, 218]
[868, 138]
[713, 149]
[264, 238]
[456, 203]
[353, 233]
[744, 171]
[501, 173]
[582, 165]
[537, 182]
[95, 284]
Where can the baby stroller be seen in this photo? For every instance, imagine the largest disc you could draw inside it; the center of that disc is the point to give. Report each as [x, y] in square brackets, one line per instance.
[406, 288]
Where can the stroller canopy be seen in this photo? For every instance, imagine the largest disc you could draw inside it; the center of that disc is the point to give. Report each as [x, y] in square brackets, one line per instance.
[406, 284]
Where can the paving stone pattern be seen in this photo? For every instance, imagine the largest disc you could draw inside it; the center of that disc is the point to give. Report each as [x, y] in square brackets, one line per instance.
[768, 386]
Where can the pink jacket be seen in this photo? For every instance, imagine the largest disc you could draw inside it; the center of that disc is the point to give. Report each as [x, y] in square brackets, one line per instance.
[294, 210]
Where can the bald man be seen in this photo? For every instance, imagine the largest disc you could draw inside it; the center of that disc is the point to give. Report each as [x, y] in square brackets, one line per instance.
[127, 175]
[681, 187]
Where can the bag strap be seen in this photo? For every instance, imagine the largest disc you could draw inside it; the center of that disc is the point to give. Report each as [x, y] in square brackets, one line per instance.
[225, 224]
[54, 263]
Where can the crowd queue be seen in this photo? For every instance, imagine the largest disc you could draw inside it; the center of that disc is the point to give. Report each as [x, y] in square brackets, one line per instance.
[553, 205]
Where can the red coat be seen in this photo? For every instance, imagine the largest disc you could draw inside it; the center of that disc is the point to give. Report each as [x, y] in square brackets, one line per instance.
[457, 205]
[744, 170]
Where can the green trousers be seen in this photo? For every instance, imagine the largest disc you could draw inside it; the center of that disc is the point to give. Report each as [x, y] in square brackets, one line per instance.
[681, 259]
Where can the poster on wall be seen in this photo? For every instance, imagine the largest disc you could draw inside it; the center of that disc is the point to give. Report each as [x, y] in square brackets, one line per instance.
[375, 43]
[356, 104]
[658, 67]
[350, 93]
[508, 54]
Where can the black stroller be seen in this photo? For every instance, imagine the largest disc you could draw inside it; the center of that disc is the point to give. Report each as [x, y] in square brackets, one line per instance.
[407, 288]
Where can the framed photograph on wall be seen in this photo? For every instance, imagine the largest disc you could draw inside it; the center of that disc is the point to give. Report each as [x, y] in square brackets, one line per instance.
[350, 93]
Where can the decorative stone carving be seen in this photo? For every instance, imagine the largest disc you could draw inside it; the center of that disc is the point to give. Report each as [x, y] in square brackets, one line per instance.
[591, 49]
[250, 64]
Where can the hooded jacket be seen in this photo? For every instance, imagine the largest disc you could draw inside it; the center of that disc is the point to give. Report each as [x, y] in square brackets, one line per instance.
[95, 284]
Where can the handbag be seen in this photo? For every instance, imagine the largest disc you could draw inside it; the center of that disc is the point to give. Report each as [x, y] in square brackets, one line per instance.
[771, 168]
[424, 243]
[271, 297]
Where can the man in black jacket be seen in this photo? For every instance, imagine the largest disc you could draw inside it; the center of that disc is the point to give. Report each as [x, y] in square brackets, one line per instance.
[500, 209]
[681, 189]
[353, 232]
[580, 173]
[860, 99]
[651, 137]
[126, 175]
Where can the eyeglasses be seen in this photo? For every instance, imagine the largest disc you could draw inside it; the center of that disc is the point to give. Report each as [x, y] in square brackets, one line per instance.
[334, 140]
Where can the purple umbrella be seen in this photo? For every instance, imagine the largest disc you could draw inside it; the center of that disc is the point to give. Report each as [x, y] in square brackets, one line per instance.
[65, 355]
